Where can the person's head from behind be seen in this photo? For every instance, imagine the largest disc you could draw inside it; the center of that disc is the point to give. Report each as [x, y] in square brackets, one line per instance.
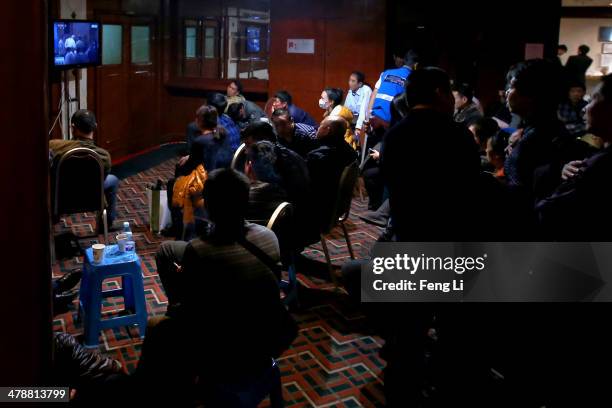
[483, 129]
[464, 95]
[207, 118]
[219, 101]
[283, 123]
[398, 59]
[534, 88]
[584, 49]
[430, 88]
[412, 59]
[282, 100]
[261, 163]
[234, 88]
[599, 110]
[236, 112]
[226, 198]
[332, 129]
[561, 49]
[496, 149]
[330, 98]
[83, 124]
[258, 132]
[356, 80]
[576, 93]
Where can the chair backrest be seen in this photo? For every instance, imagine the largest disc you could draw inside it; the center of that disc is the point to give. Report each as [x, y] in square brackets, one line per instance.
[78, 182]
[237, 159]
[281, 223]
[344, 197]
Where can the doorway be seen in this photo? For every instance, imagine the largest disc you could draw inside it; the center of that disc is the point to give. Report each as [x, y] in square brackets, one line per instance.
[126, 85]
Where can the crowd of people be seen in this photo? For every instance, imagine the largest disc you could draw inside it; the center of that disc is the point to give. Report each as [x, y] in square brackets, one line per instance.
[437, 165]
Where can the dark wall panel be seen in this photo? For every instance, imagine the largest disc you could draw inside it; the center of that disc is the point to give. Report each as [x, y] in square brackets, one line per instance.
[25, 342]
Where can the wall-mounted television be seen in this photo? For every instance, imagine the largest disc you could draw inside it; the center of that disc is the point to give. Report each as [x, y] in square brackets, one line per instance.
[75, 44]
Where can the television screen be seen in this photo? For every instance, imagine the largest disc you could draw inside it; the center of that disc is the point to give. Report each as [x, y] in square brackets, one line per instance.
[253, 45]
[76, 43]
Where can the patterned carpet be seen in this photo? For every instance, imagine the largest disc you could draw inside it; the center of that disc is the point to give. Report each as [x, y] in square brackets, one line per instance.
[334, 362]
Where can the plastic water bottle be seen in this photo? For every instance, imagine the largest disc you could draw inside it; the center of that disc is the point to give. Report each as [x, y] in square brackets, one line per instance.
[127, 231]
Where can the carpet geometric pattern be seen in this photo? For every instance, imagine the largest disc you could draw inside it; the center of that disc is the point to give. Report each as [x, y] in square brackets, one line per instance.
[334, 362]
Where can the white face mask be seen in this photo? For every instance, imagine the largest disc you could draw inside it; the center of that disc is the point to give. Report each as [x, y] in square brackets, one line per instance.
[322, 104]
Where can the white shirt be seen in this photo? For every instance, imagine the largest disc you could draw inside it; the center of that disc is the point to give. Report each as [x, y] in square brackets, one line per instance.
[69, 43]
[358, 102]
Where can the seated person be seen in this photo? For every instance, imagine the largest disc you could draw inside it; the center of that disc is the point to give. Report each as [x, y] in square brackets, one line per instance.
[331, 102]
[293, 173]
[211, 148]
[208, 152]
[191, 133]
[483, 129]
[90, 375]
[82, 126]
[233, 131]
[299, 137]
[237, 113]
[265, 193]
[466, 111]
[571, 110]
[283, 100]
[326, 164]
[223, 297]
[252, 112]
[496, 153]
[583, 199]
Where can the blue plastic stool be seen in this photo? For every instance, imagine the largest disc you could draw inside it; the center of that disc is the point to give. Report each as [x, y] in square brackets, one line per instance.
[115, 264]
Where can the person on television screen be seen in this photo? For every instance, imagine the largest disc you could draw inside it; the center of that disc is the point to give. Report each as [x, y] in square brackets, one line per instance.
[70, 43]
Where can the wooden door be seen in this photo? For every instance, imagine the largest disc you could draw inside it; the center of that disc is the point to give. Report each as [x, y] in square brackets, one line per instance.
[143, 88]
[126, 85]
[111, 79]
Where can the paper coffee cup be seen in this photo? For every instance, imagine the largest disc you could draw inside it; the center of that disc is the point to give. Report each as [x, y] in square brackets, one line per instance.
[98, 252]
[121, 240]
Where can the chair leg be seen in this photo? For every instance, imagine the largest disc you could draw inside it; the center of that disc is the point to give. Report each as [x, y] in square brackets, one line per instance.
[330, 267]
[348, 240]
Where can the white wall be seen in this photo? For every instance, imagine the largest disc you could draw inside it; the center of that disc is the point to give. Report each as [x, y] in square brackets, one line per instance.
[67, 7]
[577, 31]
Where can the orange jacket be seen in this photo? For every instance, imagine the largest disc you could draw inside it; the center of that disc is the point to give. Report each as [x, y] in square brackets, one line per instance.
[187, 193]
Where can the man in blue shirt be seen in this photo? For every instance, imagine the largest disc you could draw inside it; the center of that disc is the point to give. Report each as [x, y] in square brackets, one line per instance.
[233, 131]
[283, 100]
[389, 85]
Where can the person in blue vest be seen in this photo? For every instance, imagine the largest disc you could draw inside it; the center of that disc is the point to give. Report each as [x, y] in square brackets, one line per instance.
[389, 85]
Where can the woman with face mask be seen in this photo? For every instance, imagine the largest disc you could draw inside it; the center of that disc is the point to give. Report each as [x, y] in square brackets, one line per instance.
[331, 102]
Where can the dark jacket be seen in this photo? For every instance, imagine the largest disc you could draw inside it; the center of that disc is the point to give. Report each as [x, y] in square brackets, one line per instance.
[300, 116]
[431, 167]
[191, 133]
[579, 210]
[543, 142]
[468, 115]
[304, 139]
[211, 151]
[263, 200]
[325, 166]
[577, 66]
